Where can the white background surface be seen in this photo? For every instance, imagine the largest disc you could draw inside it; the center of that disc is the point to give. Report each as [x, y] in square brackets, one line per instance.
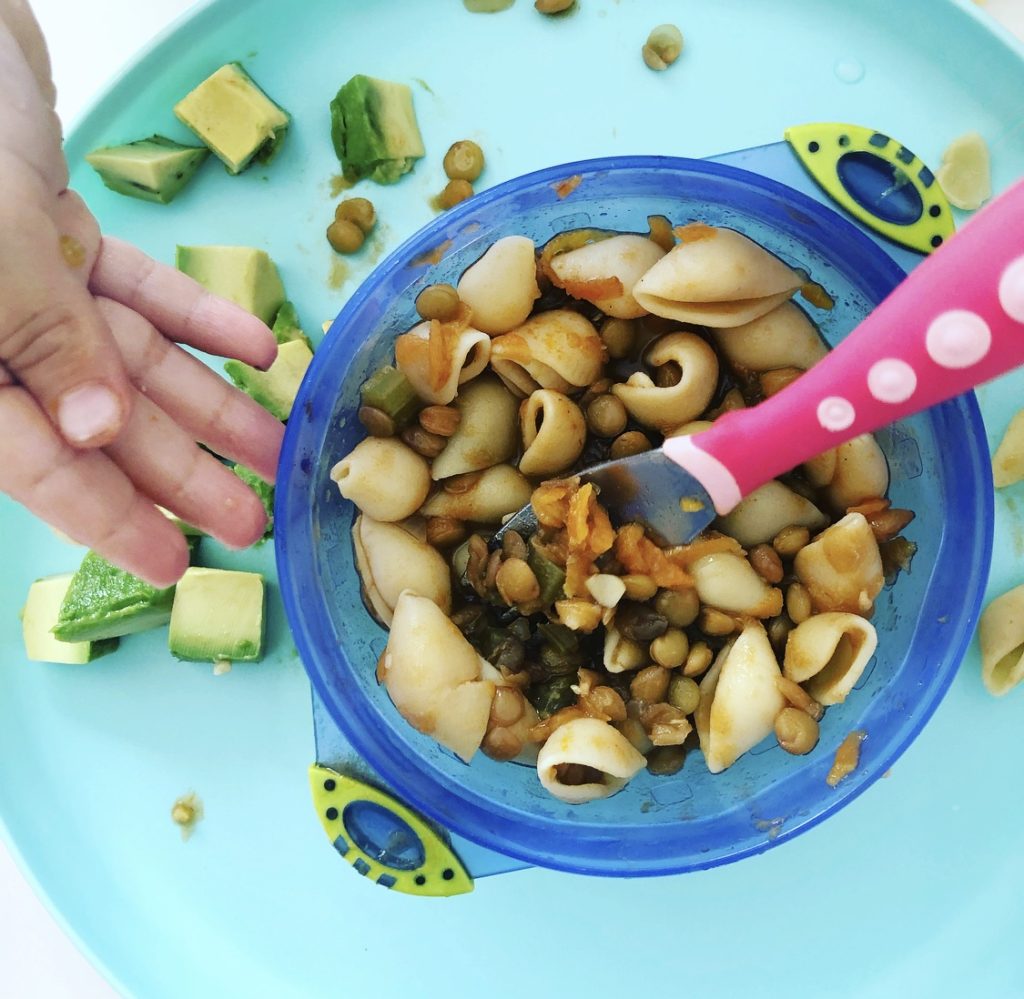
[37, 960]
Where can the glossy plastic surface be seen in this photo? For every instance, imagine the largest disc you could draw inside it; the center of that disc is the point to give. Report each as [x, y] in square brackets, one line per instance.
[656, 825]
[913, 889]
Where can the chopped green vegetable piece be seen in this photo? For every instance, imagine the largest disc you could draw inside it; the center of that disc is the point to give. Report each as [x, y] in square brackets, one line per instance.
[550, 696]
[558, 636]
[264, 490]
[276, 388]
[219, 615]
[42, 608]
[374, 129]
[235, 118]
[241, 274]
[103, 601]
[388, 390]
[550, 576]
[153, 169]
[286, 326]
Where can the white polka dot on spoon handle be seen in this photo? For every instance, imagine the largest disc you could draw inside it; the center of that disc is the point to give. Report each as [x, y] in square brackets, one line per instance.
[955, 322]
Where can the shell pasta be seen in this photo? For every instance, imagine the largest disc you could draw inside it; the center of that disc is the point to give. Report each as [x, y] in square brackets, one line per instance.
[589, 650]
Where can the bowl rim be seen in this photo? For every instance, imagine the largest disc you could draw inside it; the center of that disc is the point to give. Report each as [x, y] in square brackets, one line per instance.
[473, 821]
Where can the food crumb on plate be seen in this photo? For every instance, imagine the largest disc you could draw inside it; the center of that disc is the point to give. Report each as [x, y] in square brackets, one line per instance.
[186, 812]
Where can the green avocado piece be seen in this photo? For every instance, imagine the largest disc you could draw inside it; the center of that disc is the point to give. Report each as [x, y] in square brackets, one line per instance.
[42, 608]
[103, 601]
[287, 327]
[218, 615]
[235, 118]
[374, 129]
[241, 274]
[263, 489]
[153, 169]
[276, 388]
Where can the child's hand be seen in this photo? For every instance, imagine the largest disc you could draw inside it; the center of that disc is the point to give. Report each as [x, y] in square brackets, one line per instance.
[99, 409]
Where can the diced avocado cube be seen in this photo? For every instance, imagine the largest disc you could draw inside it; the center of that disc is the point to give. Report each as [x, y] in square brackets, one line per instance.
[219, 615]
[264, 490]
[106, 602]
[234, 117]
[276, 388]
[154, 169]
[42, 608]
[374, 129]
[241, 274]
[287, 327]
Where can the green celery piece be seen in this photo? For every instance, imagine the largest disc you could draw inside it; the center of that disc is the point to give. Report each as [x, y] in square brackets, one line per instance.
[106, 602]
[388, 390]
[553, 694]
[549, 575]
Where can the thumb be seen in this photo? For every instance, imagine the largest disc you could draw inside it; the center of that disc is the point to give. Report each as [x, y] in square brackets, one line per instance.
[53, 339]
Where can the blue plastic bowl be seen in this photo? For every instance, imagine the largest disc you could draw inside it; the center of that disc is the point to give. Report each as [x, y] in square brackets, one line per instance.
[657, 825]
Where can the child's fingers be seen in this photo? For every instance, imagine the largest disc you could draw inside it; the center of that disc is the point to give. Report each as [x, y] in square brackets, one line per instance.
[197, 398]
[180, 307]
[84, 494]
[166, 464]
[53, 339]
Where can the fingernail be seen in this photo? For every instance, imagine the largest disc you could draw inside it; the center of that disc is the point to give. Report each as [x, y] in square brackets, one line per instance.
[88, 412]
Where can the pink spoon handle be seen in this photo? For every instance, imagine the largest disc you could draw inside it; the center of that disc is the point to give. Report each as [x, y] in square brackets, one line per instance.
[955, 322]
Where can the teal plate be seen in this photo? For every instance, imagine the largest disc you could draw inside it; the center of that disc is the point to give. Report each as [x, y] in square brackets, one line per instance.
[916, 888]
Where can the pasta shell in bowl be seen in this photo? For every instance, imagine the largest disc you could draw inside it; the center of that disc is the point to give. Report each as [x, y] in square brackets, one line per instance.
[546, 710]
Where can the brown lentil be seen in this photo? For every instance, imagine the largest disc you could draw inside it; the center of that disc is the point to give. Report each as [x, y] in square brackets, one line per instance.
[619, 337]
[639, 622]
[607, 416]
[345, 236]
[766, 563]
[442, 420]
[423, 442]
[679, 607]
[513, 545]
[798, 603]
[454, 192]
[552, 6]
[698, 660]
[464, 160]
[650, 684]
[778, 632]
[714, 622]
[516, 582]
[501, 744]
[684, 693]
[671, 649]
[445, 532]
[376, 422]
[796, 731]
[508, 706]
[631, 442]
[358, 211]
[438, 301]
[639, 587]
[790, 540]
[663, 761]
[459, 484]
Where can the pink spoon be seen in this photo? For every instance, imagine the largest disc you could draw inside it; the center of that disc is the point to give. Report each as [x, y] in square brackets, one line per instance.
[955, 322]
